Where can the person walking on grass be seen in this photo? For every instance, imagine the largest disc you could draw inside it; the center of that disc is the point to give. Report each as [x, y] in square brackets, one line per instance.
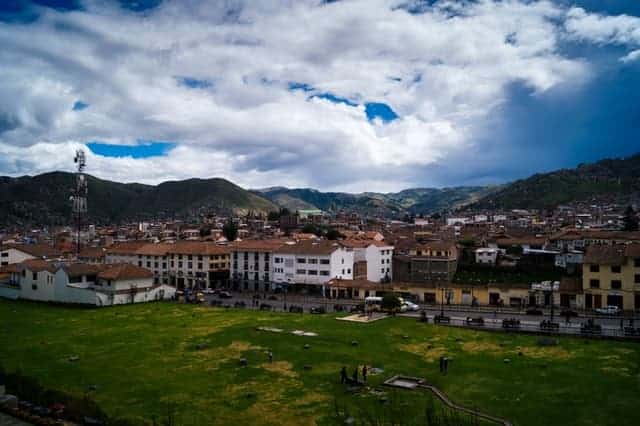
[343, 375]
[270, 356]
[364, 373]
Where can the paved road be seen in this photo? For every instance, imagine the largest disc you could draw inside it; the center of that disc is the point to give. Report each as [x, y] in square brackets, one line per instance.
[493, 317]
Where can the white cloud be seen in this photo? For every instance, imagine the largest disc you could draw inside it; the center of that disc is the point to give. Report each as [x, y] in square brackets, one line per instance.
[444, 72]
[602, 29]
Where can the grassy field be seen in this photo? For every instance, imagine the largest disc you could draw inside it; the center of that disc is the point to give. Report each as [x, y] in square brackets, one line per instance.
[146, 358]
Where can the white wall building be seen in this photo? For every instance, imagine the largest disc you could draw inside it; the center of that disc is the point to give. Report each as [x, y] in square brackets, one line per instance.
[377, 254]
[15, 253]
[312, 263]
[87, 284]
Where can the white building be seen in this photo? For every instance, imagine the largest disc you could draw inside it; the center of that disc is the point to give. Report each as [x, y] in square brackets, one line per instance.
[184, 264]
[251, 264]
[377, 255]
[15, 253]
[312, 263]
[487, 256]
[80, 283]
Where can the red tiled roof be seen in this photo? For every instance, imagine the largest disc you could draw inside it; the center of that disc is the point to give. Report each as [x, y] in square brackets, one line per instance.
[36, 250]
[124, 271]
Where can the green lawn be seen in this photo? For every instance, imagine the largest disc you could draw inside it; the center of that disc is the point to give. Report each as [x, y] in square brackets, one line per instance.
[145, 358]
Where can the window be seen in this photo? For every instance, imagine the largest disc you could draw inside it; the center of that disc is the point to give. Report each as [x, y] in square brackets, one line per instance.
[301, 260]
[199, 265]
[325, 273]
[277, 260]
[312, 272]
[313, 261]
[636, 262]
[324, 261]
[190, 265]
[349, 271]
[148, 264]
[594, 283]
[637, 279]
[6, 254]
[616, 284]
[616, 269]
[594, 268]
[34, 287]
[382, 270]
[301, 271]
[35, 276]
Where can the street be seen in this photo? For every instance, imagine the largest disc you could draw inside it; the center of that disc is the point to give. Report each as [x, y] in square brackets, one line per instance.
[611, 326]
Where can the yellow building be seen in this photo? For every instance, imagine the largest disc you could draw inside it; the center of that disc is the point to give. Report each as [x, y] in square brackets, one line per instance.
[611, 276]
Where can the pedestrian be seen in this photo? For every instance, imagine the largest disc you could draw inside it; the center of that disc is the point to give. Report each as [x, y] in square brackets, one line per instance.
[441, 364]
[270, 356]
[446, 365]
[364, 373]
[343, 375]
[354, 376]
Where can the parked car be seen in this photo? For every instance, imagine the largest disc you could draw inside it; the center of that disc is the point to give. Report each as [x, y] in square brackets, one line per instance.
[224, 295]
[608, 310]
[534, 311]
[409, 306]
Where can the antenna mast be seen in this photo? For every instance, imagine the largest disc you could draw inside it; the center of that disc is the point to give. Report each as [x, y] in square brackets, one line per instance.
[79, 197]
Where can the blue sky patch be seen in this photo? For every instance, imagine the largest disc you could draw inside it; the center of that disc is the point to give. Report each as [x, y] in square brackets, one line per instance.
[379, 110]
[194, 83]
[79, 106]
[294, 85]
[139, 5]
[335, 99]
[25, 12]
[144, 149]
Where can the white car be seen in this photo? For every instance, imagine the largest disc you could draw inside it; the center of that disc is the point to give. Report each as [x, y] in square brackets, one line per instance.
[608, 310]
[409, 306]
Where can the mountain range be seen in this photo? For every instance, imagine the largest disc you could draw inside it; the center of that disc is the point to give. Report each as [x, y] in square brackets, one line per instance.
[44, 199]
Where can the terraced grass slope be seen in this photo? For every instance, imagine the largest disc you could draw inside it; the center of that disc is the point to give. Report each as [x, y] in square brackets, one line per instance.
[144, 358]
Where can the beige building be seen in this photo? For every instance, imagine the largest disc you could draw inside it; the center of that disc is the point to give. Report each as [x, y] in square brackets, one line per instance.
[611, 276]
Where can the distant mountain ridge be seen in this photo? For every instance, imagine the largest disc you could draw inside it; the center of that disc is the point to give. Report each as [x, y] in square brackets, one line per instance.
[616, 179]
[413, 201]
[44, 199]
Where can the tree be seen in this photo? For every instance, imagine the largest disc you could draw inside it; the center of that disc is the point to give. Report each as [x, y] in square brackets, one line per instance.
[310, 228]
[230, 230]
[205, 231]
[333, 234]
[390, 303]
[630, 220]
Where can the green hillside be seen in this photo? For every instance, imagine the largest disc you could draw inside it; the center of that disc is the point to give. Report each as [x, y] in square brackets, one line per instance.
[615, 180]
[44, 199]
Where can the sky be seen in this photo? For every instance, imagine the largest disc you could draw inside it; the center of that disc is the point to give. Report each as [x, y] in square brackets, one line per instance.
[350, 95]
